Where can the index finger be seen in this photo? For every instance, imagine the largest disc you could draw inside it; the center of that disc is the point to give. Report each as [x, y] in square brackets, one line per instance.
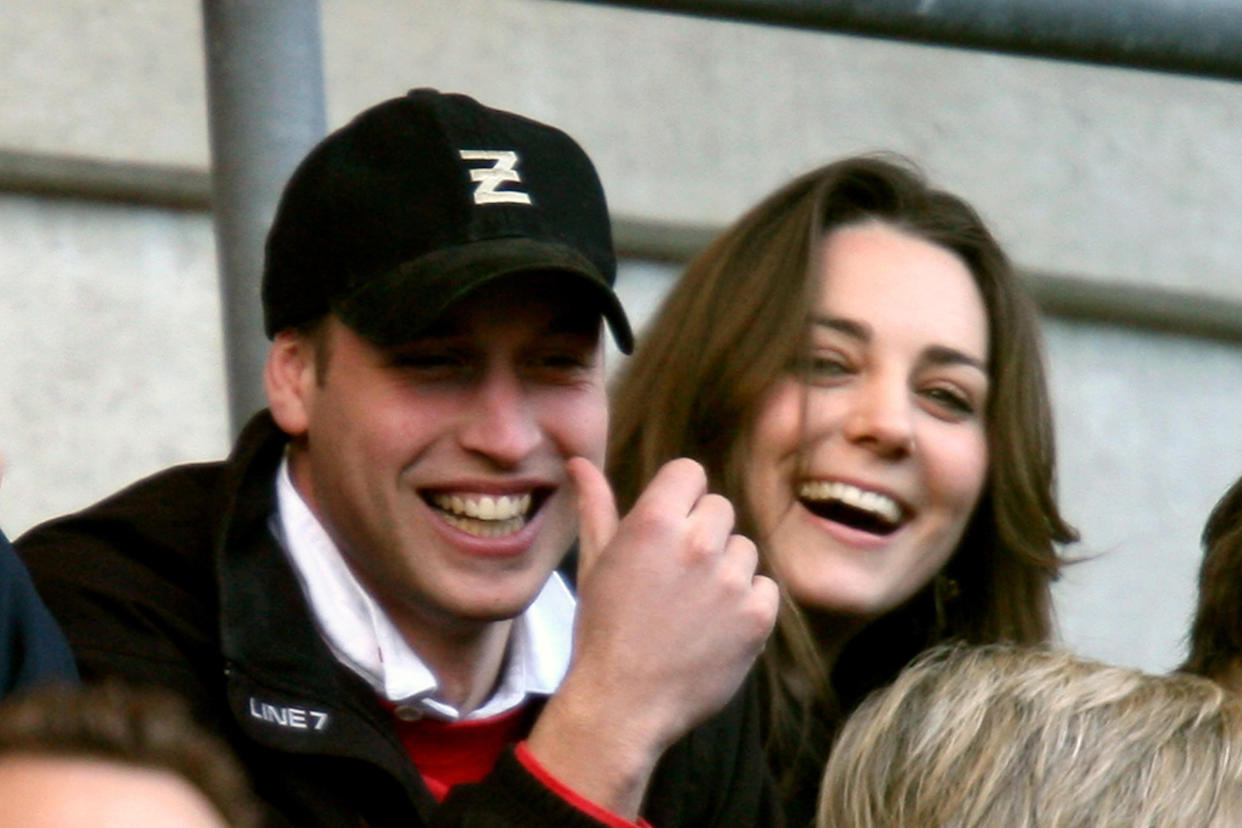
[677, 486]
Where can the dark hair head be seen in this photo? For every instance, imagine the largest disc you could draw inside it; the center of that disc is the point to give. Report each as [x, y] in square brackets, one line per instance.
[145, 728]
[1216, 634]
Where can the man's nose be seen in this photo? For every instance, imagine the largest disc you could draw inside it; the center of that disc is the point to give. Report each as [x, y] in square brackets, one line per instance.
[501, 423]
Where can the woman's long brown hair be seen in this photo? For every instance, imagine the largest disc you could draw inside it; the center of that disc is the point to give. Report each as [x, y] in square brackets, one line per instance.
[737, 321]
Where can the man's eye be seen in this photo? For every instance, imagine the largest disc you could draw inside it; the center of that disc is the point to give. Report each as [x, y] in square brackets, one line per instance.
[429, 361]
[561, 364]
[564, 360]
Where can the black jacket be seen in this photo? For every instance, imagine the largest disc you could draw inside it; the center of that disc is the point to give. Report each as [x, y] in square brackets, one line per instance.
[178, 581]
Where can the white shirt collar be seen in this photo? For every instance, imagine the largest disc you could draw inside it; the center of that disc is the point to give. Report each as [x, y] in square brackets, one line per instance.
[364, 639]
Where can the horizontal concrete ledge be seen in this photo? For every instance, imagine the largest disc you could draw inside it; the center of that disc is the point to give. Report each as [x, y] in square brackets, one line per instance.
[1059, 295]
[1136, 306]
[92, 179]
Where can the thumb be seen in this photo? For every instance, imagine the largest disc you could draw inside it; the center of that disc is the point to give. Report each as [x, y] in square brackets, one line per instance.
[597, 512]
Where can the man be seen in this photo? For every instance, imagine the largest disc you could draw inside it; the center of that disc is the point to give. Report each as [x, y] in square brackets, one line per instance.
[363, 596]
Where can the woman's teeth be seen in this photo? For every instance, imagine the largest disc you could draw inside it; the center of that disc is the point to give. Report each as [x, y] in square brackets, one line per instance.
[881, 506]
[485, 516]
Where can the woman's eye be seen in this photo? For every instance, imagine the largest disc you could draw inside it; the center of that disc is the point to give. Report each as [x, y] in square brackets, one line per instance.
[822, 367]
[953, 401]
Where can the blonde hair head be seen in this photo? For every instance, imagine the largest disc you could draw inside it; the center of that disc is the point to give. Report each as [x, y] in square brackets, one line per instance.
[1026, 737]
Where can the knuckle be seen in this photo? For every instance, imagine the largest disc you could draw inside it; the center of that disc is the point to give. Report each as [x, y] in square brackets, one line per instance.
[736, 581]
[701, 543]
[767, 599]
[744, 555]
[651, 522]
[744, 547]
[719, 506]
[683, 468]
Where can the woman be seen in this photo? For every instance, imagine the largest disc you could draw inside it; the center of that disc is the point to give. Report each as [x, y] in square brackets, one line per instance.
[1216, 634]
[858, 368]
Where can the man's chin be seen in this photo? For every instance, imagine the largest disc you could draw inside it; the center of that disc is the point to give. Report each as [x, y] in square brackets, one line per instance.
[483, 608]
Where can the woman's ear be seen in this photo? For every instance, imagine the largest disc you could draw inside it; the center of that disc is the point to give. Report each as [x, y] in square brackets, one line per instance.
[289, 380]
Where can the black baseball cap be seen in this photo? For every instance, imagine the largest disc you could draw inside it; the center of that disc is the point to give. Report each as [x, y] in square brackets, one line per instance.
[424, 198]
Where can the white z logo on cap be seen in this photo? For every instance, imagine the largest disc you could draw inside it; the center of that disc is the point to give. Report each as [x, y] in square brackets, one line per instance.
[490, 178]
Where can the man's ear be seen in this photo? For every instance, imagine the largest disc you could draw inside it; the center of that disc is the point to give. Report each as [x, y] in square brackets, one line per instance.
[289, 379]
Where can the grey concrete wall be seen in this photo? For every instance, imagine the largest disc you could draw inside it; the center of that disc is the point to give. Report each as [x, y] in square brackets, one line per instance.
[110, 348]
[109, 317]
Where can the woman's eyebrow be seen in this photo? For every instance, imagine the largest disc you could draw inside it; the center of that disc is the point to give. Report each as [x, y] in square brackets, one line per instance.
[944, 355]
[849, 327]
[935, 354]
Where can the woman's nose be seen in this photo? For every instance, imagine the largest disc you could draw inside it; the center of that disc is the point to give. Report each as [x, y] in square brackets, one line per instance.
[881, 417]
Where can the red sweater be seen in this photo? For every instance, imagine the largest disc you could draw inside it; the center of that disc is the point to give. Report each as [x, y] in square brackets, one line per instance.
[449, 753]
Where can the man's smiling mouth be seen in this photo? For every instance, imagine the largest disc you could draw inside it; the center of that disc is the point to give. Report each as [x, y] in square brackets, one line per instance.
[485, 515]
[852, 506]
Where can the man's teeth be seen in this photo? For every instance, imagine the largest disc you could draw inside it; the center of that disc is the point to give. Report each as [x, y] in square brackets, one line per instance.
[877, 504]
[485, 507]
[487, 516]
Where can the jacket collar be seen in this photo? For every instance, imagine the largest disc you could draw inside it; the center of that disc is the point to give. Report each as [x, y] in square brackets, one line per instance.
[285, 688]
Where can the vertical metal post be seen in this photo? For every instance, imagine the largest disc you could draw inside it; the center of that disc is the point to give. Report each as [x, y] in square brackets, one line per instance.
[266, 109]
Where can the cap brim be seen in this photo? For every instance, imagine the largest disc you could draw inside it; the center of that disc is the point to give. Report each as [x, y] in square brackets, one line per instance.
[397, 306]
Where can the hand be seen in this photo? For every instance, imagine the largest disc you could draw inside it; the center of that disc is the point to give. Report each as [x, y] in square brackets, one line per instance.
[671, 617]
[669, 596]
